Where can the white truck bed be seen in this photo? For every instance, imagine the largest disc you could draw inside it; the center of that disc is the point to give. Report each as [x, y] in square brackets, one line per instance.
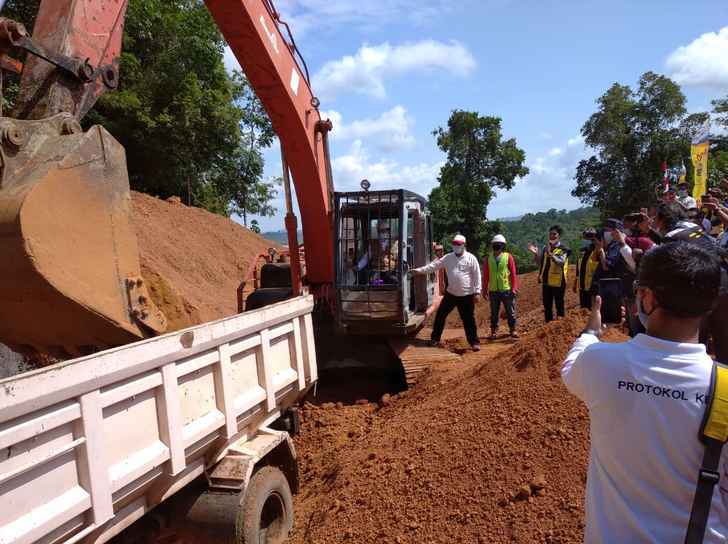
[87, 446]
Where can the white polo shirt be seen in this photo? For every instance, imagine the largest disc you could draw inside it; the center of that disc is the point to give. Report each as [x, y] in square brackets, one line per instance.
[463, 273]
[646, 399]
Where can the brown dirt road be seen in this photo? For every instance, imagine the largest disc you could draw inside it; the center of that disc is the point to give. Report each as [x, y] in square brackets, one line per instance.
[493, 449]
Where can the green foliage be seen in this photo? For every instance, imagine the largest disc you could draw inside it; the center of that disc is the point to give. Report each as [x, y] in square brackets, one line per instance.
[254, 226]
[478, 162]
[720, 108]
[534, 227]
[633, 132]
[188, 127]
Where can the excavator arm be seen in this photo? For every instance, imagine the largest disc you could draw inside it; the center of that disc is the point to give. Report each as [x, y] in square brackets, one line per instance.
[70, 278]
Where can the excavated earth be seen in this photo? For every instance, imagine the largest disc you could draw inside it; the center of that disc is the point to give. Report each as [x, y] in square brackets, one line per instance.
[493, 449]
[192, 260]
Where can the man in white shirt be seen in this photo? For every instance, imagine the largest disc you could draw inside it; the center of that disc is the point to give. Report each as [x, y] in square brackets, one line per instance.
[684, 198]
[463, 289]
[646, 399]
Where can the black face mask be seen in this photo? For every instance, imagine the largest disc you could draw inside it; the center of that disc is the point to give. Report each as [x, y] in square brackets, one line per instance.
[498, 247]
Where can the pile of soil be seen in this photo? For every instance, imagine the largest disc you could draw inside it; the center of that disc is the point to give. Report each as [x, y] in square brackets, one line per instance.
[529, 308]
[494, 450]
[192, 260]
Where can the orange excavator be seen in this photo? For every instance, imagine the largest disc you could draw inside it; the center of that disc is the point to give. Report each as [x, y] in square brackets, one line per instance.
[70, 279]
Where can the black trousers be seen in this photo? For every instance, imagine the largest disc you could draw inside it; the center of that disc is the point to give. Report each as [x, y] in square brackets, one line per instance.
[466, 309]
[551, 296]
[585, 299]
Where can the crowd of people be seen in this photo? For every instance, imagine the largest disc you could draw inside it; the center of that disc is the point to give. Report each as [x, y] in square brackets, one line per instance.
[657, 403]
[657, 430]
[615, 251]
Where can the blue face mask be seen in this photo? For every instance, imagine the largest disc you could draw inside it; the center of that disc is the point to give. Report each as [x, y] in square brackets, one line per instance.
[586, 243]
[643, 317]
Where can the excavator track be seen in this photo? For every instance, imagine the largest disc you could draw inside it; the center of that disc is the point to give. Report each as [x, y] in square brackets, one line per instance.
[418, 357]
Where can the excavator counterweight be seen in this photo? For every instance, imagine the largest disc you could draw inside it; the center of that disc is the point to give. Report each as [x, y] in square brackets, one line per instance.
[69, 278]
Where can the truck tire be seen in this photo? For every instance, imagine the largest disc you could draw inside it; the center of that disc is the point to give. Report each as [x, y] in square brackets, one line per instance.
[275, 275]
[266, 515]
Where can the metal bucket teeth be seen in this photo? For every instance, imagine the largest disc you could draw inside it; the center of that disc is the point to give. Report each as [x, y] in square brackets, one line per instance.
[69, 265]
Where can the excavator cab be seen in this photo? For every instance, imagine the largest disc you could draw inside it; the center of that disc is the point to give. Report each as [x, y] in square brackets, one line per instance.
[379, 236]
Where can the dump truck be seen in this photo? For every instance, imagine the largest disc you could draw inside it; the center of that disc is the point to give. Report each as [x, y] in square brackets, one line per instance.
[89, 445]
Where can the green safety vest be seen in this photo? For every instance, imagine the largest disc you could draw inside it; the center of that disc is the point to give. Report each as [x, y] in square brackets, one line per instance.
[499, 277]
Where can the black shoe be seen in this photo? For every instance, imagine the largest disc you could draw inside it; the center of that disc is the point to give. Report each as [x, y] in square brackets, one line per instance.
[435, 344]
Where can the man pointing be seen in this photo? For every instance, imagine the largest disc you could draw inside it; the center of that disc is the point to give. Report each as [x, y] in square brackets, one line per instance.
[463, 289]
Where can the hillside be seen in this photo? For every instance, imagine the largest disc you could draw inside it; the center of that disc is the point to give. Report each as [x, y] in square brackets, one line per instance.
[533, 227]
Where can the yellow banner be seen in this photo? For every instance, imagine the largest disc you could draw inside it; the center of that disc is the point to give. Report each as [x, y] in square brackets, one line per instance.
[699, 154]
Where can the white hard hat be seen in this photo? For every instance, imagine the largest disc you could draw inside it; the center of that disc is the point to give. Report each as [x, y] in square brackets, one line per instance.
[499, 238]
[459, 240]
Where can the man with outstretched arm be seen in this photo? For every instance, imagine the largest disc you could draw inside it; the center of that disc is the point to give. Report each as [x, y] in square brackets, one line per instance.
[646, 399]
[463, 290]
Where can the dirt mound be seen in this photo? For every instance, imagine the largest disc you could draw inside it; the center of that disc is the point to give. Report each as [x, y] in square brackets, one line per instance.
[495, 452]
[529, 308]
[191, 259]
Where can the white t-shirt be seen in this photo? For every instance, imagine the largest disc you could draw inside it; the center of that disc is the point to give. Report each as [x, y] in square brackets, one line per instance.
[463, 273]
[687, 201]
[646, 402]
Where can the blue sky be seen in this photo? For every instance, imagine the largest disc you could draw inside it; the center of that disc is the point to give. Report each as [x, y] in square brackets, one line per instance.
[389, 72]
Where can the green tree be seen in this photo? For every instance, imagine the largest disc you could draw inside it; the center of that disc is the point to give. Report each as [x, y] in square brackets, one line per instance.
[720, 108]
[479, 160]
[718, 157]
[254, 226]
[632, 133]
[186, 124]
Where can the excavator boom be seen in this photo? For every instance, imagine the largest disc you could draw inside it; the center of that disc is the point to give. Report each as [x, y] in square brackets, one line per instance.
[70, 277]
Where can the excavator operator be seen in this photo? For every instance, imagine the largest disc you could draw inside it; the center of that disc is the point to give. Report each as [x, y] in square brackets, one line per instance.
[379, 264]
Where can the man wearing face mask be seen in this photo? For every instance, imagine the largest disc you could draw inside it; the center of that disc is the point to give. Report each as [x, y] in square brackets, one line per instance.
[617, 261]
[684, 198]
[646, 400]
[382, 254]
[553, 262]
[500, 281]
[463, 290]
[587, 261]
[671, 222]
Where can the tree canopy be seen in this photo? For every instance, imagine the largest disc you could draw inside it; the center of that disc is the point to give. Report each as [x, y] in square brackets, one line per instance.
[189, 128]
[479, 160]
[633, 132]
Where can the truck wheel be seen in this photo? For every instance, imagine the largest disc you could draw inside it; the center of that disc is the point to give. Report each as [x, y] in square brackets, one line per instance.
[266, 516]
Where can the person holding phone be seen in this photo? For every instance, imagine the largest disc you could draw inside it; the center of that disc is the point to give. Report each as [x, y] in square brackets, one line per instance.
[587, 261]
[553, 263]
[646, 399]
[614, 278]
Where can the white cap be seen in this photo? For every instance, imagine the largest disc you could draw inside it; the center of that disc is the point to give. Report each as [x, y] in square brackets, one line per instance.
[499, 238]
[459, 240]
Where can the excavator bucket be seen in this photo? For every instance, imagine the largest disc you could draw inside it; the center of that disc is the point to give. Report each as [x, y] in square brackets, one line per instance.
[69, 266]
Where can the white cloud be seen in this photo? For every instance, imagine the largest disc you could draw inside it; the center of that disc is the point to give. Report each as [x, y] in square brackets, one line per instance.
[382, 173]
[365, 72]
[391, 131]
[703, 62]
[548, 185]
[305, 15]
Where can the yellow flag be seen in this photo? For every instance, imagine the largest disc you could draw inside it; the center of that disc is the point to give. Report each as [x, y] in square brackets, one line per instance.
[699, 154]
